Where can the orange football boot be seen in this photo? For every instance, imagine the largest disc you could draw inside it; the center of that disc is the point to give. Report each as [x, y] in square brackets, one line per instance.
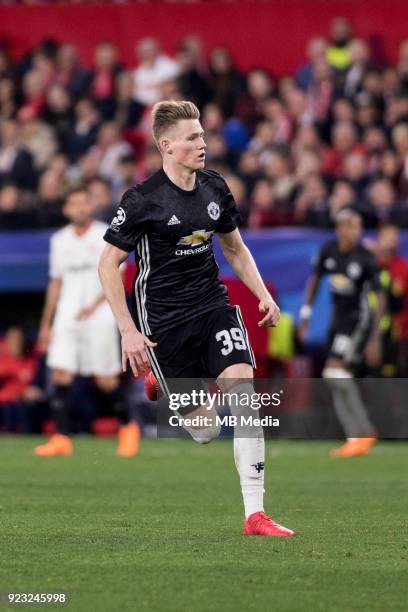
[260, 523]
[354, 448]
[129, 438]
[58, 444]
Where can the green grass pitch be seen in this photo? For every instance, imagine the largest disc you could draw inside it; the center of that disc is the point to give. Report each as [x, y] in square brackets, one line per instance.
[162, 531]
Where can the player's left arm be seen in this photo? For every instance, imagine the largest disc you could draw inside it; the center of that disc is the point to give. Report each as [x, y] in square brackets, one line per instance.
[241, 261]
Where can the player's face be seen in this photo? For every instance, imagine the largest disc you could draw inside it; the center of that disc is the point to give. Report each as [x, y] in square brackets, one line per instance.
[349, 231]
[187, 145]
[78, 209]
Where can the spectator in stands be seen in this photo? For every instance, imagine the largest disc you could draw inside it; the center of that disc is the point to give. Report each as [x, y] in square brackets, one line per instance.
[17, 372]
[344, 142]
[262, 205]
[400, 141]
[85, 129]
[125, 177]
[191, 82]
[6, 68]
[49, 199]
[402, 66]
[10, 198]
[359, 53]
[375, 145]
[43, 63]
[295, 99]
[389, 167]
[319, 93]
[58, 113]
[342, 111]
[338, 53]
[33, 89]
[316, 51]
[153, 70]
[277, 169]
[40, 140]
[259, 89]
[311, 203]
[101, 198]
[110, 148]
[342, 196]
[249, 169]
[237, 188]
[87, 167]
[128, 112]
[274, 111]
[103, 78]
[68, 71]
[16, 161]
[356, 173]
[8, 104]
[226, 83]
[193, 46]
[383, 198]
[264, 138]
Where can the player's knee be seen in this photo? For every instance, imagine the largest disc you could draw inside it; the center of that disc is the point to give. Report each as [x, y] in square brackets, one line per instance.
[62, 377]
[107, 384]
[337, 378]
[207, 435]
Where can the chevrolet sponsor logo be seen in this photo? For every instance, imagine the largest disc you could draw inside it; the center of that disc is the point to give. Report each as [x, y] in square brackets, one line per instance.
[341, 284]
[196, 238]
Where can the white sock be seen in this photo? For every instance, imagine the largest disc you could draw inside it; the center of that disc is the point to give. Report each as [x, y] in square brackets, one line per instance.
[249, 453]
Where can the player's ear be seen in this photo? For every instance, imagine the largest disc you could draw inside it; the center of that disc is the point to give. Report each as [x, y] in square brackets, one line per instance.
[165, 146]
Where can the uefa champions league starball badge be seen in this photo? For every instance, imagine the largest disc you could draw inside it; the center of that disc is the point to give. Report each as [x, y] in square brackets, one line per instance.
[119, 219]
[213, 210]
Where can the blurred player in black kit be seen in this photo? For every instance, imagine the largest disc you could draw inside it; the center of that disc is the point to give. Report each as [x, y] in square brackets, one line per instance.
[354, 332]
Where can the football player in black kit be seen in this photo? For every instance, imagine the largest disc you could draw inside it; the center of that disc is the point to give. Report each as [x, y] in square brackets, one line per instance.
[354, 331]
[183, 326]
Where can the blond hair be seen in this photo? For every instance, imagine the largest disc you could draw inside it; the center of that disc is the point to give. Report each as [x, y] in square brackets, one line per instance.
[166, 114]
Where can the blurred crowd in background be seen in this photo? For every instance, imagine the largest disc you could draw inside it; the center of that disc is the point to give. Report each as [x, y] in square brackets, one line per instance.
[294, 150]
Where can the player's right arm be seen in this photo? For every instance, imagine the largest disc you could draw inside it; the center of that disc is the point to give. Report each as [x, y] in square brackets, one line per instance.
[312, 287]
[133, 342]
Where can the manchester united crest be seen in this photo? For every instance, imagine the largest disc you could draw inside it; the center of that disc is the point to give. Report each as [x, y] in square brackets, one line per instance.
[213, 210]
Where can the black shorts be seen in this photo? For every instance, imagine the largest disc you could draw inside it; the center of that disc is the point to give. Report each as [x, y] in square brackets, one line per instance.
[348, 337]
[202, 347]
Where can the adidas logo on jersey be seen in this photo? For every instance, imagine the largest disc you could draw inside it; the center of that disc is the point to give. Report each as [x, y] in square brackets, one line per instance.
[173, 221]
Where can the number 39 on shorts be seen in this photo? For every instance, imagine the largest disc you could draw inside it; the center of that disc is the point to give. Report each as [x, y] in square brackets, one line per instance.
[231, 339]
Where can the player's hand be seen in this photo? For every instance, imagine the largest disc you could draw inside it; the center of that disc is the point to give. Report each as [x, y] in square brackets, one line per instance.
[86, 312]
[272, 316]
[134, 350]
[373, 352]
[44, 339]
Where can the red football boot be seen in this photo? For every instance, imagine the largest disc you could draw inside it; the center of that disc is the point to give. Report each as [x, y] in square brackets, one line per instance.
[151, 387]
[260, 523]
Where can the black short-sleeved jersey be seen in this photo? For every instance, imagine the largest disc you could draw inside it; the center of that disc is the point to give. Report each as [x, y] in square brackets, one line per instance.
[352, 275]
[171, 231]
